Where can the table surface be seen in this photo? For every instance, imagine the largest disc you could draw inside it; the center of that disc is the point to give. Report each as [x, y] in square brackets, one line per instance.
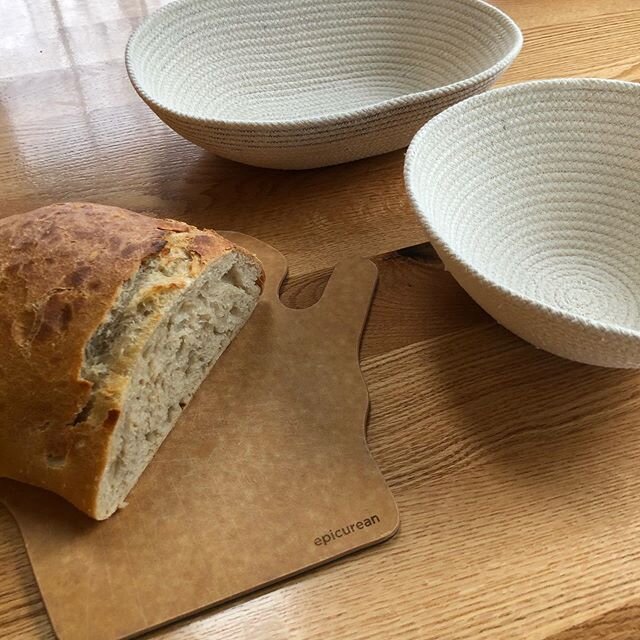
[515, 472]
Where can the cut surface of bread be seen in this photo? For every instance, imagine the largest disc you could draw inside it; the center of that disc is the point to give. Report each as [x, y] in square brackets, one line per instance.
[196, 323]
[133, 354]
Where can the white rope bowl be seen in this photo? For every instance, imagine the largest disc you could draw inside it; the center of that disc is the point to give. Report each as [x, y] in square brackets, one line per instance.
[295, 85]
[531, 196]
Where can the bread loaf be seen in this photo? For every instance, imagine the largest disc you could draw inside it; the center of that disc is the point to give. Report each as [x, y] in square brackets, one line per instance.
[109, 322]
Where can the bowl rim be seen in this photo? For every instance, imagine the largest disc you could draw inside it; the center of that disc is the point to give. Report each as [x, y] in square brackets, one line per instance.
[334, 117]
[443, 247]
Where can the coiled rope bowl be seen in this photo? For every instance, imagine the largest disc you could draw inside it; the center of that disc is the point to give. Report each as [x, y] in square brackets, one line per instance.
[531, 197]
[294, 85]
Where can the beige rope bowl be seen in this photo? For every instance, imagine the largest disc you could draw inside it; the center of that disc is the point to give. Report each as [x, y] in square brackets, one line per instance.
[295, 85]
[531, 196]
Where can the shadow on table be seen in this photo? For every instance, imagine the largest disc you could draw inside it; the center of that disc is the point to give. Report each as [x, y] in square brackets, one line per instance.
[249, 199]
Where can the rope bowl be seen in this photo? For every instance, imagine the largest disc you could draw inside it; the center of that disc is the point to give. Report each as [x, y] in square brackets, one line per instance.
[531, 197]
[295, 85]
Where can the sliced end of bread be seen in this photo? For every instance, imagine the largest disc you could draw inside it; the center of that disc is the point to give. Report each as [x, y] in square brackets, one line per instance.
[162, 337]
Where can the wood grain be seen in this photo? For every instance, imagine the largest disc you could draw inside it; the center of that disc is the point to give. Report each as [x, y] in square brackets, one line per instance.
[515, 471]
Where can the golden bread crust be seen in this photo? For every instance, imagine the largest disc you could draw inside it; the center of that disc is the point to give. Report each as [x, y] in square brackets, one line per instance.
[61, 271]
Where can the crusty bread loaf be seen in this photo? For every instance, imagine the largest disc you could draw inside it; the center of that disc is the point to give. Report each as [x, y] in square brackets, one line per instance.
[109, 322]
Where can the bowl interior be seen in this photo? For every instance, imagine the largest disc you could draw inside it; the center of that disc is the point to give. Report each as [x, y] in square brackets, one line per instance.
[536, 188]
[273, 60]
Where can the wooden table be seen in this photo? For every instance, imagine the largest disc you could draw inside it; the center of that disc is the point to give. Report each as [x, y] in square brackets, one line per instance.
[516, 473]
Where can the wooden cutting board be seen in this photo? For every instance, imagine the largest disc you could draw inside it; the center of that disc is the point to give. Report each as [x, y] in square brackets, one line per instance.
[267, 474]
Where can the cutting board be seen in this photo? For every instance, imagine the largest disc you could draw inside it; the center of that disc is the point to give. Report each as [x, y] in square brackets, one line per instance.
[266, 474]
